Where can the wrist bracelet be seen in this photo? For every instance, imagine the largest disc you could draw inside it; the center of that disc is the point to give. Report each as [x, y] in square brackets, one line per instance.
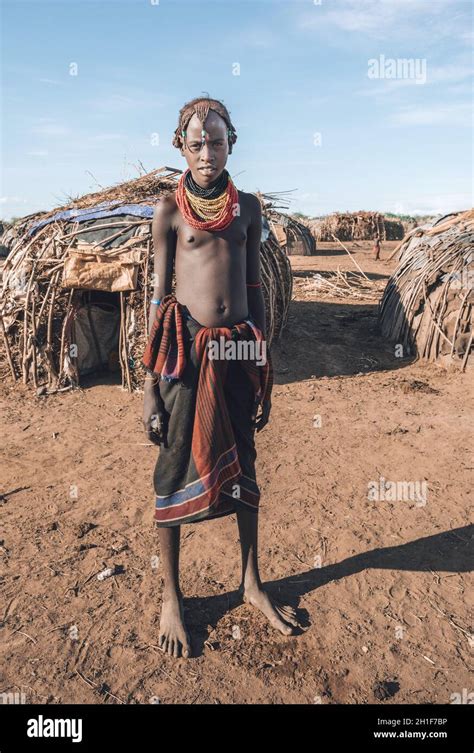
[155, 300]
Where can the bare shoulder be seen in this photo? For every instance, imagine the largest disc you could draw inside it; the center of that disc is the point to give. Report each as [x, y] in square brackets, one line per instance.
[251, 205]
[165, 206]
[164, 214]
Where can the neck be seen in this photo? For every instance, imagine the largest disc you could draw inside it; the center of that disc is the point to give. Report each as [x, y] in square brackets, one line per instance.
[199, 180]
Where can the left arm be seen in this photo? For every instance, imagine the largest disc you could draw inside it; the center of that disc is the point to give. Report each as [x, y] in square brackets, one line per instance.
[256, 303]
[255, 300]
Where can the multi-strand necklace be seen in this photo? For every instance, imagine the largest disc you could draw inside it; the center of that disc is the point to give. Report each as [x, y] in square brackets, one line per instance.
[210, 208]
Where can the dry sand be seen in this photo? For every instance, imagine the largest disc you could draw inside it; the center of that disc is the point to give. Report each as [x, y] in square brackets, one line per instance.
[382, 586]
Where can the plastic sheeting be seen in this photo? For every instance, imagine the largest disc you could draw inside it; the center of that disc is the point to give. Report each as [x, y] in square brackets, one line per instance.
[144, 211]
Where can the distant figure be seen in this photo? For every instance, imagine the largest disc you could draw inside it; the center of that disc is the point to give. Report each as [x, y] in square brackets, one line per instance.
[376, 247]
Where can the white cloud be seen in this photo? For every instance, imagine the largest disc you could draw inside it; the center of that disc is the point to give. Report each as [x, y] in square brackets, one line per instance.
[258, 38]
[81, 138]
[100, 137]
[49, 127]
[460, 89]
[436, 204]
[112, 103]
[12, 200]
[439, 114]
[386, 19]
[467, 36]
[454, 73]
[449, 73]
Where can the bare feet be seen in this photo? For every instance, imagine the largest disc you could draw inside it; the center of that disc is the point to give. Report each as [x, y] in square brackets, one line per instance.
[281, 616]
[174, 638]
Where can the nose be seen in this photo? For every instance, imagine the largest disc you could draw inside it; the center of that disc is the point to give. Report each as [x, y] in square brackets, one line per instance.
[207, 156]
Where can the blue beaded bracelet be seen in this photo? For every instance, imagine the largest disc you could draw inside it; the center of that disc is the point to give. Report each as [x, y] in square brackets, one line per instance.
[156, 300]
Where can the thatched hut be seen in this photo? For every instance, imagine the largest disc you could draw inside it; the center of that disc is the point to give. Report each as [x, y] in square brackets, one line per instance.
[292, 234]
[427, 305]
[355, 226]
[77, 282]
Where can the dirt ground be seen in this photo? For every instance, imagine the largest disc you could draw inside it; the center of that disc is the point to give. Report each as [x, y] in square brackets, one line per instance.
[381, 586]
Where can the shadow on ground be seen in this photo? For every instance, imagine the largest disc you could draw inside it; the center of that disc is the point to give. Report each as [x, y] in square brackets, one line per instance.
[450, 551]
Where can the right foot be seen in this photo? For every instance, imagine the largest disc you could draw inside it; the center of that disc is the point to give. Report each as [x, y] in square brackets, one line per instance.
[173, 637]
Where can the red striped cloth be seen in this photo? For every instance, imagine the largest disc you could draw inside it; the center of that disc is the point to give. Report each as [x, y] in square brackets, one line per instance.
[164, 354]
[214, 462]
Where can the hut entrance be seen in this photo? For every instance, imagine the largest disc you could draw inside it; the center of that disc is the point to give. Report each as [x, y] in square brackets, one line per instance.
[96, 334]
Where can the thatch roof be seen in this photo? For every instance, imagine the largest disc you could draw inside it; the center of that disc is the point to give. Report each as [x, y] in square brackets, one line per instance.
[427, 306]
[76, 286]
[293, 235]
[354, 226]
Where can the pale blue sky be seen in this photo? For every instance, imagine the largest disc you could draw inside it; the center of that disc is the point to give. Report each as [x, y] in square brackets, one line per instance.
[387, 144]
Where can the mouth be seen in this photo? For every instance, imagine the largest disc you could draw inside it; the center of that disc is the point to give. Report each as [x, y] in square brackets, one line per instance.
[207, 170]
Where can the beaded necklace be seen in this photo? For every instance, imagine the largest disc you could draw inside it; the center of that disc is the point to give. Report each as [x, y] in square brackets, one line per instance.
[203, 212]
[213, 191]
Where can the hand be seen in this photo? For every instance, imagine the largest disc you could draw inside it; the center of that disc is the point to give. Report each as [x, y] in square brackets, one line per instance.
[262, 419]
[155, 418]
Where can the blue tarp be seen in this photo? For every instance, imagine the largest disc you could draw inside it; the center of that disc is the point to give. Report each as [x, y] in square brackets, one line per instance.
[95, 213]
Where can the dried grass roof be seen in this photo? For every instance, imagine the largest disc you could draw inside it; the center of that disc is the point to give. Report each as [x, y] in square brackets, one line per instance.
[427, 306]
[37, 309]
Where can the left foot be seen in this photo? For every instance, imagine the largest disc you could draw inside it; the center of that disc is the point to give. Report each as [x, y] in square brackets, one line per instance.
[281, 616]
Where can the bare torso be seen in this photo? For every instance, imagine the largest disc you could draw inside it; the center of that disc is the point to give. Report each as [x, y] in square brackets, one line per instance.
[211, 269]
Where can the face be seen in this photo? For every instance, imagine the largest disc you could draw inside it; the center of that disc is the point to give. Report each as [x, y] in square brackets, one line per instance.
[207, 161]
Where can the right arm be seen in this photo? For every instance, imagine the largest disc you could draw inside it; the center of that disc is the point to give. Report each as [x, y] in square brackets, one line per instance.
[164, 246]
